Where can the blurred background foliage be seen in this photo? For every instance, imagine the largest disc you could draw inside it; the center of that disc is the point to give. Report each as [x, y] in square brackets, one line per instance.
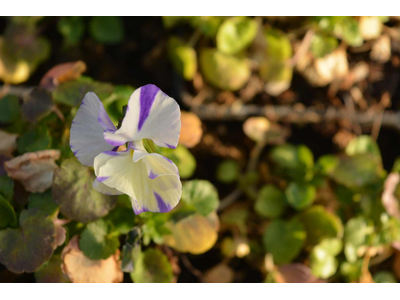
[287, 154]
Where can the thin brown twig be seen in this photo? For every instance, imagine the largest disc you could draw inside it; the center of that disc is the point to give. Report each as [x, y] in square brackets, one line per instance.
[348, 100]
[189, 266]
[303, 48]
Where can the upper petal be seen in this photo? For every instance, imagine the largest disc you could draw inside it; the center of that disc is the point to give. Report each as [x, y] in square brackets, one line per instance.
[152, 182]
[151, 114]
[91, 120]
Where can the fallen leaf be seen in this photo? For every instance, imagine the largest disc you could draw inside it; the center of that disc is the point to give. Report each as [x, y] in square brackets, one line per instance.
[34, 170]
[51, 272]
[191, 130]
[381, 49]
[62, 73]
[295, 273]
[370, 27]
[8, 142]
[37, 104]
[81, 269]
[221, 273]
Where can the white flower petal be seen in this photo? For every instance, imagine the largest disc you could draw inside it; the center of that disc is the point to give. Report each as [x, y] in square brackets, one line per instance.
[104, 189]
[87, 129]
[152, 182]
[151, 114]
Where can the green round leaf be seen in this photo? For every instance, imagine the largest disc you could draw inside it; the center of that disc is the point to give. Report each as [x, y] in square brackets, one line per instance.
[208, 25]
[183, 159]
[235, 34]
[320, 224]
[122, 219]
[358, 170]
[72, 190]
[9, 109]
[322, 45]
[363, 144]
[107, 30]
[300, 195]
[224, 71]
[6, 187]
[351, 32]
[270, 202]
[72, 92]
[284, 239]
[34, 140]
[183, 58]
[200, 195]
[356, 233]
[96, 241]
[26, 248]
[72, 29]
[51, 272]
[7, 214]
[152, 266]
[44, 202]
[228, 171]
[384, 277]
[323, 261]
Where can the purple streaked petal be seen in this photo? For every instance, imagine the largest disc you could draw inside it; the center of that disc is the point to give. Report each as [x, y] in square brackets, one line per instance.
[168, 160]
[152, 175]
[170, 146]
[147, 96]
[113, 139]
[113, 153]
[163, 207]
[105, 121]
[102, 179]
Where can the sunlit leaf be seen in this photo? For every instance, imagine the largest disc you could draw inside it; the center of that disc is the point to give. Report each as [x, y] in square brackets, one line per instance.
[62, 73]
[322, 45]
[26, 248]
[323, 261]
[270, 202]
[195, 234]
[256, 128]
[224, 71]
[363, 144]
[183, 58]
[235, 34]
[73, 192]
[284, 239]
[97, 242]
[300, 195]
[384, 277]
[320, 224]
[355, 235]
[152, 266]
[208, 25]
[200, 195]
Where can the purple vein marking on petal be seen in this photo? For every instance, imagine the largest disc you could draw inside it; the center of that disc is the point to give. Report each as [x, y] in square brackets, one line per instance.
[170, 146]
[147, 96]
[112, 142]
[152, 175]
[162, 206]
[104, 120]
[102, 178]
[167, 159]
[111, 153]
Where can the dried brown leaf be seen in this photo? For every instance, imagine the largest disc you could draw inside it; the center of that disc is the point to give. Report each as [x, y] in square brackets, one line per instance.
[8, 142]
[191, 130]
[63, 73]
[295, 273]
[34, 170]
[219, 274]
[389, 200]
[81, 269]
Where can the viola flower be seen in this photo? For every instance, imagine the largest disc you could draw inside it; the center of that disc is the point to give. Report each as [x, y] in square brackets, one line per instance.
[151, 180]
